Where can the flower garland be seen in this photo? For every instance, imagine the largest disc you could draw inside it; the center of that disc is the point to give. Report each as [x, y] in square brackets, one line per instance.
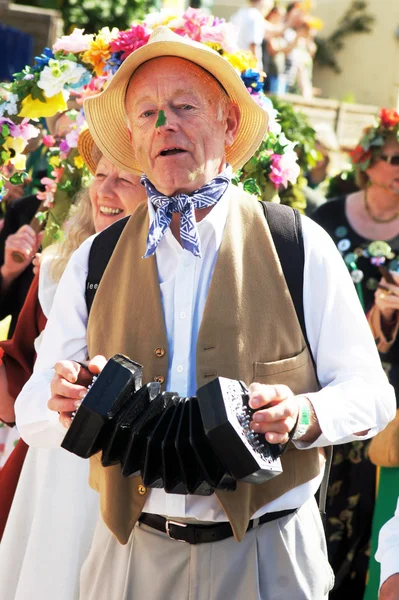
[80, 65]
[374, 138]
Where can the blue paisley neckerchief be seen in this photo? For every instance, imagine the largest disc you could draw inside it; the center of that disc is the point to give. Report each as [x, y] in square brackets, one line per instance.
[185, 204]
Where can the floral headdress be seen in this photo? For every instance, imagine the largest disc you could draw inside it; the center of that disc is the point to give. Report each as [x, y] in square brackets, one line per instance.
[80, 65]
[374, 138]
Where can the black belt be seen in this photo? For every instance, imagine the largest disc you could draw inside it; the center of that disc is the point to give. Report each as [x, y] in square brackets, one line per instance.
[202, 534]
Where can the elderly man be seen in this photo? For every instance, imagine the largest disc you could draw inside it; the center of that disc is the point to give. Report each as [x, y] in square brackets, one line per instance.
[194, 289]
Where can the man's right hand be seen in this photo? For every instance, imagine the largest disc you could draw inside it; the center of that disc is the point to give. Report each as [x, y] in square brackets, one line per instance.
[69, 385]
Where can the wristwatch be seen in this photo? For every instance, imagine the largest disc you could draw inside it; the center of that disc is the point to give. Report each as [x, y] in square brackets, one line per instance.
[304, 418]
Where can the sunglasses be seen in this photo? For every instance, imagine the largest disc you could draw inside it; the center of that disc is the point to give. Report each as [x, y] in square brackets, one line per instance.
[392, 159]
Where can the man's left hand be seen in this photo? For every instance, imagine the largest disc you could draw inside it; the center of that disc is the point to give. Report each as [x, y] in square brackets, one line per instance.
[281, 414]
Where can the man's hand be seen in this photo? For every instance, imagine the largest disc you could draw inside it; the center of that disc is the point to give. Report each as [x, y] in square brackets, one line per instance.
[69, 385]
[278, 419]
[390, 588]
[281, 414]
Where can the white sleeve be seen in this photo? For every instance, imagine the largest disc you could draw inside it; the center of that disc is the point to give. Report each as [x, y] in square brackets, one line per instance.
[64, 338]
[356, 395]
[388, 547]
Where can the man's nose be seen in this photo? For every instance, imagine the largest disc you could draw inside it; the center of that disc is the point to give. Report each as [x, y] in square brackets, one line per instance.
[166, 121]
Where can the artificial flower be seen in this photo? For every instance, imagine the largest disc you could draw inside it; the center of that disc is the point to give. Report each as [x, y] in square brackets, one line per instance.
[34, 109]
[284, 169]
[54, 161]
[130, 40]
[48, 141]
[26, 130]
[360, 156]
[59, 75]
[76, 42]
[241, 60]
[14, 148]
[79, 162]
[47, 195]
[9, 105]
[43, 60]
[165, 17]
[389, 118]
[99, 50]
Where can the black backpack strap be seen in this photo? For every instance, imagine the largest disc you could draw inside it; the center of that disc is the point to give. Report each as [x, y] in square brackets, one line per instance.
[100, 253]
[286, 229]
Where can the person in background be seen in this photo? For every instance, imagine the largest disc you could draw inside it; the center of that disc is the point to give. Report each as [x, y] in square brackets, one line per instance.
[300, 71]
[275, 50]
[44, 545]
[388, 555]
[250, 24]
[365, 227]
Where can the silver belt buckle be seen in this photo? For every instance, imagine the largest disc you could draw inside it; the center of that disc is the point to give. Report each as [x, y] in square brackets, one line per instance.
[174, 523]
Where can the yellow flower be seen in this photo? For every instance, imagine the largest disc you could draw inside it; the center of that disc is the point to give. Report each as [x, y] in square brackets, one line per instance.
[34, 109]
[79, 162]
[14, 148]
[214, 45]
[54, 161]
[241, 60]
[99, 51]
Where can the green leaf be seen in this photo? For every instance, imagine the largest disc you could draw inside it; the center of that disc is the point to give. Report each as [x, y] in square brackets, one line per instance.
[161, 120]
[5, 130]
[18, 178]
[251, 187]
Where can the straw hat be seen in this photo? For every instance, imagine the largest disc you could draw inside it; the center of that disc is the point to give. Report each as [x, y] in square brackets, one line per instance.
[88, 150]
[106, 116]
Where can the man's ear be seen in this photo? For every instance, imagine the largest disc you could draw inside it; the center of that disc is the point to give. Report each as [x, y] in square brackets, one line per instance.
[232, 123]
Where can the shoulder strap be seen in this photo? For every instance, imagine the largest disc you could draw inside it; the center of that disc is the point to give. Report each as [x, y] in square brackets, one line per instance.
[100, 253]
[286, 229]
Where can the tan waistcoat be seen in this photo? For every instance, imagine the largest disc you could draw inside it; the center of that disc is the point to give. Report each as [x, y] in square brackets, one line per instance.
[249, 331]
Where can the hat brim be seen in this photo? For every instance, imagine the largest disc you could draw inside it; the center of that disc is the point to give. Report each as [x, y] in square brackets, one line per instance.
[106, 115]
[88, 150]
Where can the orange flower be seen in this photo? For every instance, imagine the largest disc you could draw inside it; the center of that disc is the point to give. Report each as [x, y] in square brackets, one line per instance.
[99, 50]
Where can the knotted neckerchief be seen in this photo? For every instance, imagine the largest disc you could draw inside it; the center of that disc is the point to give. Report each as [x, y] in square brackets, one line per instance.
[185, 204]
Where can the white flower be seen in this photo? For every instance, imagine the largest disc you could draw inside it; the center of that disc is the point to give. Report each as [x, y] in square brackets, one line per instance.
[10, 106]
[58, 74]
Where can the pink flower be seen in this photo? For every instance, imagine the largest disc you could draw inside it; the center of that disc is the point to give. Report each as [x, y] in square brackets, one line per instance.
[26, 130]
[128, 41]
[75, 42]
[284, 169]
[71, 138]
[48, 140]
[47, 196]
[64, 147]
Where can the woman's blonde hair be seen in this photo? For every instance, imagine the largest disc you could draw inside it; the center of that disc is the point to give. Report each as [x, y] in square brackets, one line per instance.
[80, 226]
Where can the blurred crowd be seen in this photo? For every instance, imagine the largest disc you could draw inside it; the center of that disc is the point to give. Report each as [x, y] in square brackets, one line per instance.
[282, 40]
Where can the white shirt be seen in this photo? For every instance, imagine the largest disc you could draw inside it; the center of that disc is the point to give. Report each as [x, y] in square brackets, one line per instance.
[388, 547]
[250, 26]
[356, 395]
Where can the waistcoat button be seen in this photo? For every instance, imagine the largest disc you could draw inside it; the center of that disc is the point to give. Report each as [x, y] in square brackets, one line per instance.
[159, 378]
[159, 352]
[142, 490]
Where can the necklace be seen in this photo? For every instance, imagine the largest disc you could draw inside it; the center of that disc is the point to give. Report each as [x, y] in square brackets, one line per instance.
[373, 217]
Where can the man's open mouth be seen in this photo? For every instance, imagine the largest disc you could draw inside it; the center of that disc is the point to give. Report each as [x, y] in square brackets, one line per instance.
[171, 151]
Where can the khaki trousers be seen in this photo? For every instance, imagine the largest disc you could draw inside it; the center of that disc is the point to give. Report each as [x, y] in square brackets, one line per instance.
[281, 560]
